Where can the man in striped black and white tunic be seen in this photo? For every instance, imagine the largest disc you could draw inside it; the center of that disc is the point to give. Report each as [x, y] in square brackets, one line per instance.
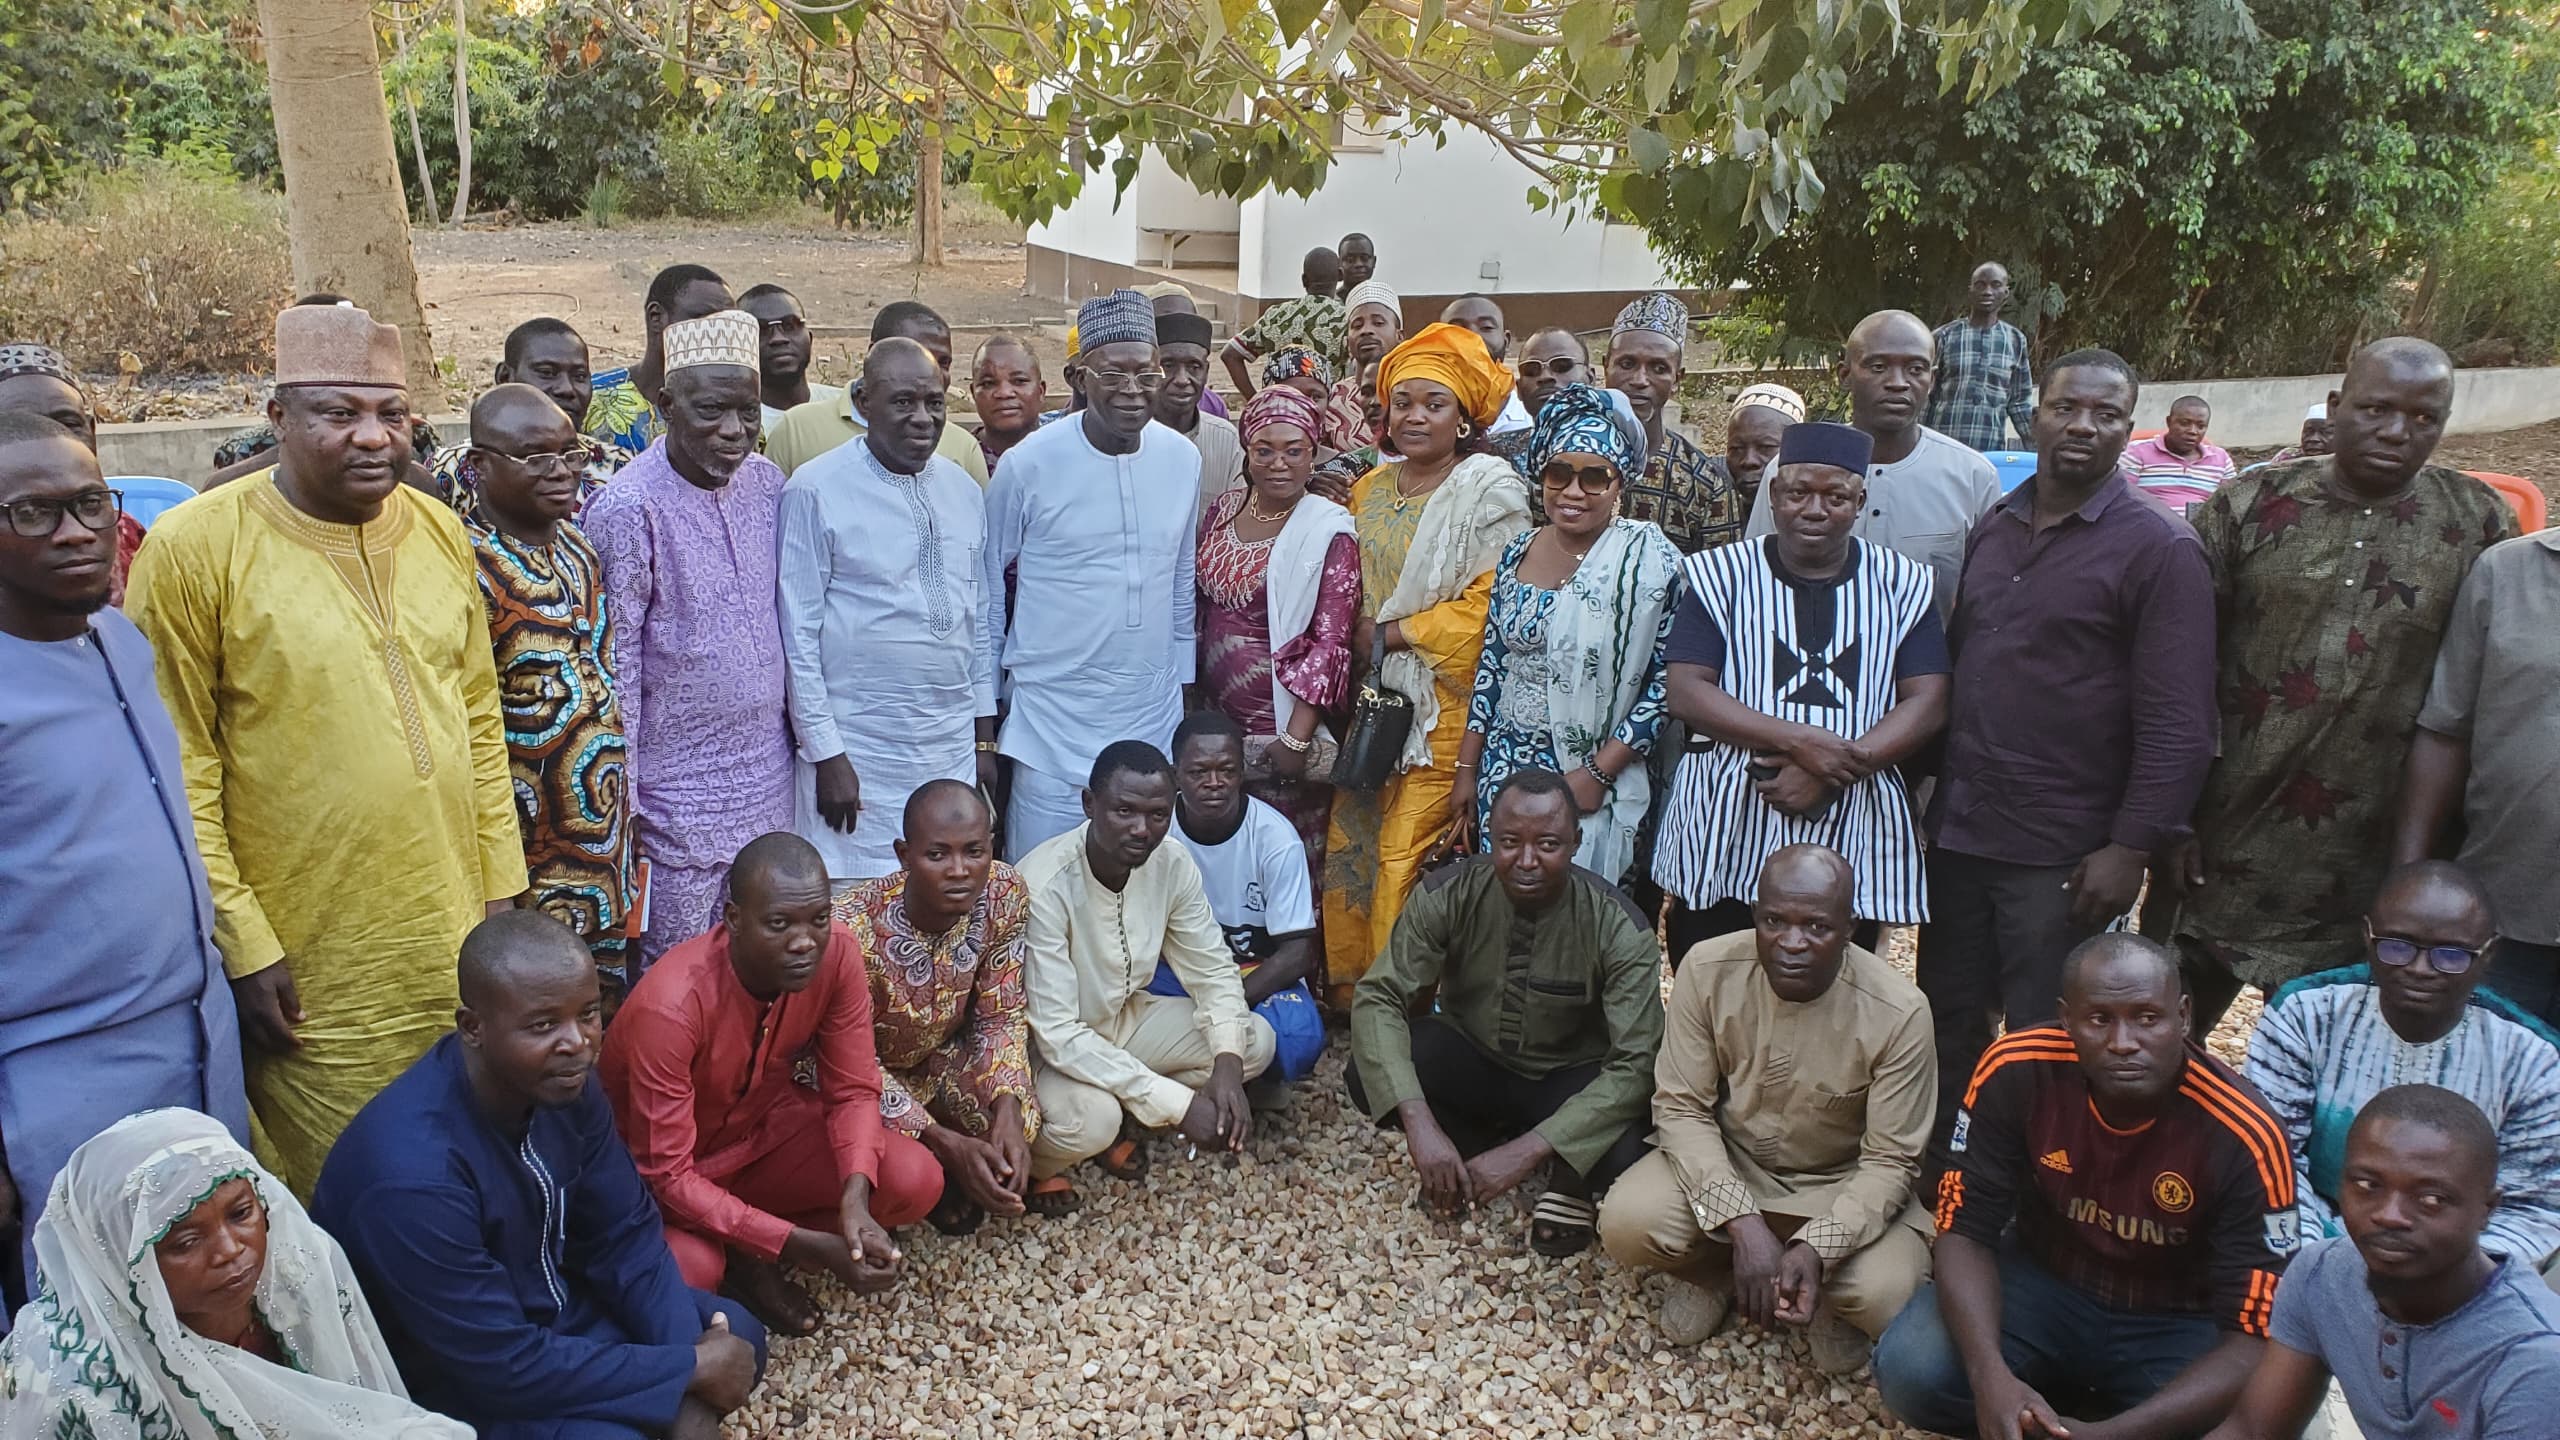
[1807, 664]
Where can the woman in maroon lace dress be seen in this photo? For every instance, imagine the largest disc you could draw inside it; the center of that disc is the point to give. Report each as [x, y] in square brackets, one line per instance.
[1279, 590]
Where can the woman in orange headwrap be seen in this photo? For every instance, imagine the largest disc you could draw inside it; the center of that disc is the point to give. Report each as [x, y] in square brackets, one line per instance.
[1430, 521]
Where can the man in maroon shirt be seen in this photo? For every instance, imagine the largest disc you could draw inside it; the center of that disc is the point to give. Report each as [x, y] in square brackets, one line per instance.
[2154, 1208]
[2080, 726]
[754, 1167]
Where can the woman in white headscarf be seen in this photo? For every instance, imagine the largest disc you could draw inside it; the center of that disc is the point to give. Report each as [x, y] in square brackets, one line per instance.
[183, 1292]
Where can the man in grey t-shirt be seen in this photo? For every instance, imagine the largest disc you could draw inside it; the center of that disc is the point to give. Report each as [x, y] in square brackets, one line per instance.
[1924, 490]
[2430, 1336]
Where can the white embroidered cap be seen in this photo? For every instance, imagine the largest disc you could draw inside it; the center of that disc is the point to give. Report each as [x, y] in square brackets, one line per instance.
[730, 337]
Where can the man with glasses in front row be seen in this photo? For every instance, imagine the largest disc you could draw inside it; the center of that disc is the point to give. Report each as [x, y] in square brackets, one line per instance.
[553, 643]
[1095, 517]
[2422, 1009]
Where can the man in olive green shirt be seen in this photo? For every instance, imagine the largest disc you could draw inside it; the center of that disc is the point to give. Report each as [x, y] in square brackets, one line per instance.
[808, 431]
[1796, 1087]
[1550, 1008]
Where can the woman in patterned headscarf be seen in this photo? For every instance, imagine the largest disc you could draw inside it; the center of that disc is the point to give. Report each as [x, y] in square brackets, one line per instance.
[1430, 523]
[1279, 577]
[1302, 370]
[1571, 678]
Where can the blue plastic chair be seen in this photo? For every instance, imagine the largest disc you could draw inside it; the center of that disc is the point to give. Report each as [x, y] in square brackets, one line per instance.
[148, 497]
[2014, 466]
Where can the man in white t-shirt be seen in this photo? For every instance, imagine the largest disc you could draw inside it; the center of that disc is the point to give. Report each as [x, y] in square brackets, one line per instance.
[1254, 867]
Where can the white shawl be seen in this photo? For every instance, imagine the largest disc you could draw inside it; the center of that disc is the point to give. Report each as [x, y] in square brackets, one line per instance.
[1602, 643]
[1478, 510]
[101, 1352]
[1293, 578]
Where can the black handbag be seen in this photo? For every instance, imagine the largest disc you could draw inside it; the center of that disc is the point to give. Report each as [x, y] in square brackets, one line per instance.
[1373, 743]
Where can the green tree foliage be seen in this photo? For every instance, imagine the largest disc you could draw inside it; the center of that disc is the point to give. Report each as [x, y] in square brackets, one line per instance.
[2206, 189]
[1703, 110]
[2491, 295]
[85, 85]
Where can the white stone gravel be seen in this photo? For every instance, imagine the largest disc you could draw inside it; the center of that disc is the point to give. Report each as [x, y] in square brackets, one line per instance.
[1296, 1292]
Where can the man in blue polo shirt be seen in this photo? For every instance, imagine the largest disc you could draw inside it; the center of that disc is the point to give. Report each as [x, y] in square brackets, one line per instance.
[2430, 1336]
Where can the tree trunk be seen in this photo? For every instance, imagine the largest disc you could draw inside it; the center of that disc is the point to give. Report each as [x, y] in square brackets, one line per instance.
[929, 155]
[417, 136]
[461, 117]
[929, 186]
[344, 210]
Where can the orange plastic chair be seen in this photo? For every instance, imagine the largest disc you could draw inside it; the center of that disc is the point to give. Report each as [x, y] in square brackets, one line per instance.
[2533, 509]
[2148, 434]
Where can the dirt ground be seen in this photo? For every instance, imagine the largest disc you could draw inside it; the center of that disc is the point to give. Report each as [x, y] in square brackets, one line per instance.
[480, 283]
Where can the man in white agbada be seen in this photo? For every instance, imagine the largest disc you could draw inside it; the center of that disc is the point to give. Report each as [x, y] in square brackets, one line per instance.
[187, 1294]
[1095, 517]
[892, 674]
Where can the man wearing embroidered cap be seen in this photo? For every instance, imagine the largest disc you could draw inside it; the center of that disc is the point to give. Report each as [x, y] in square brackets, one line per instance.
[1682, 489]
[321, 611]
[1096, 517]
[1373, 325]
[688, 534]
[1760, 414]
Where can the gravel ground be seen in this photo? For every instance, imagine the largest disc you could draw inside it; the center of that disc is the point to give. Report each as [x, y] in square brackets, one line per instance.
[1297, 1292]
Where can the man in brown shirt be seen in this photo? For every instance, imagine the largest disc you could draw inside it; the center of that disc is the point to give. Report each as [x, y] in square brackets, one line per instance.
[1794, 1092]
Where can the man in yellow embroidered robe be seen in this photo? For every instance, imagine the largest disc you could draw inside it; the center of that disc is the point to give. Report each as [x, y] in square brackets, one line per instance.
[319, 640]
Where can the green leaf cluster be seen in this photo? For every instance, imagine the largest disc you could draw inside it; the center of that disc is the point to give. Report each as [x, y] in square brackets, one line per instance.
[2206, 188]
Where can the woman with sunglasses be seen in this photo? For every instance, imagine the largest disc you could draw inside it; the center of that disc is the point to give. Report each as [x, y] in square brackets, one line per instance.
[1430, 522]
[1572, 671]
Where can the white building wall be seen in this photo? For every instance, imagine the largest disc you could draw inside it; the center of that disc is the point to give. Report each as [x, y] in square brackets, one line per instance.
[1439, 216]
[1091, 225]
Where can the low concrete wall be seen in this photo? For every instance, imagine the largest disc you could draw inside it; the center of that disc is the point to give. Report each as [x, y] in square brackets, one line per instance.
[2269, 411]
[183, 449]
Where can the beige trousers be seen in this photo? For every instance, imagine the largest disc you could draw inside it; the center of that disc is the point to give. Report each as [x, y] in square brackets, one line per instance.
[1646, 1223]
[1079, 1121]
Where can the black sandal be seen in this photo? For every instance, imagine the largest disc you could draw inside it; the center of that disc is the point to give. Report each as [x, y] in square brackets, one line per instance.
[1562, 1225]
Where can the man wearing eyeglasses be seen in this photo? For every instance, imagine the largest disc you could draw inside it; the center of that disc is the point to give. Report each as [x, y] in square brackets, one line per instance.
[2421, 1008]
[553, 641]
[1096, 517]
[104, 913]
[783, 360]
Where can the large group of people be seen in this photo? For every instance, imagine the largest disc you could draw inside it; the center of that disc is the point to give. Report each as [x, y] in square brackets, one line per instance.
[707, 822]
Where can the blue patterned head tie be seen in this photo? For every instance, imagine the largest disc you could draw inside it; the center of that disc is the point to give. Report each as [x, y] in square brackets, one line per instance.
[1586, 420]
[1296, 362]
[1122, 315]
[1659, 312]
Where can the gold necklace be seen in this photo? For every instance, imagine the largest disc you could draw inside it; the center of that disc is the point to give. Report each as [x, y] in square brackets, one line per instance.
[1256, 511]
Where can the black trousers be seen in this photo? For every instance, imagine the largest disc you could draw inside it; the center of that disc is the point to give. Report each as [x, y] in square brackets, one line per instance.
[1992, 950]
[1688, 927]
[1479, 1104]
[2529, 975]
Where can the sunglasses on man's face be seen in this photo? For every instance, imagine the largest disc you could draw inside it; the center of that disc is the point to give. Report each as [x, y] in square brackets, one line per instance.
[2399, 954]
[1537, 369]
